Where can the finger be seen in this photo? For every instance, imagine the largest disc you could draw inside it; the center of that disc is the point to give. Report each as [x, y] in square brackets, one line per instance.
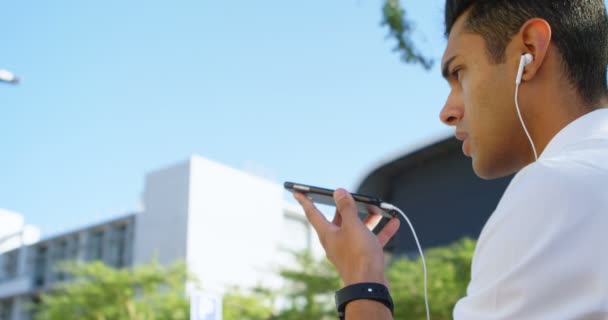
[373, 217]
[337, 219]
[314, 216]
[388, 231]
[346, 206]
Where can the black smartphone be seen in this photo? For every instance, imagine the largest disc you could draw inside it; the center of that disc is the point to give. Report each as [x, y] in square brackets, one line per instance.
[326, 196]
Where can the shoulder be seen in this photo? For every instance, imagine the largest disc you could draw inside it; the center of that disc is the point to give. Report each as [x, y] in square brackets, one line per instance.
[546, 227]
[547, 205]
[568, 182]
[552, 195]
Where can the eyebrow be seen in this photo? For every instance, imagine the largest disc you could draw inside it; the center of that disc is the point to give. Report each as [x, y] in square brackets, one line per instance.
[446, 65]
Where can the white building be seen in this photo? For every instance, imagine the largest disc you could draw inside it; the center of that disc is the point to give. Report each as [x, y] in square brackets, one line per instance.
[229, 226]
[14, 233]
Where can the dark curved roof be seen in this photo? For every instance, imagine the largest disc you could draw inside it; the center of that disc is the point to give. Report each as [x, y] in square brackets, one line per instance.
[434, 182]
[375, 182]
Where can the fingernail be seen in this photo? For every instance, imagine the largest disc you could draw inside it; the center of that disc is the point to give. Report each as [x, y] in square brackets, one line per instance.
[340, 193]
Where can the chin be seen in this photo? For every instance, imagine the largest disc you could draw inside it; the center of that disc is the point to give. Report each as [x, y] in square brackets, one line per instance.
[489, 170]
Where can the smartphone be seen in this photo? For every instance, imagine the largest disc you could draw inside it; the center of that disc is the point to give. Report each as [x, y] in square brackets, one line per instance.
[326, 196]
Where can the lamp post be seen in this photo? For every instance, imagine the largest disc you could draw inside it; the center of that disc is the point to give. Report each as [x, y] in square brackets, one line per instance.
[8, 77]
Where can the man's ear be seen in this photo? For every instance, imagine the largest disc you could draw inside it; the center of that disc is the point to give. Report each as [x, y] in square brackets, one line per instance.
[536, 38]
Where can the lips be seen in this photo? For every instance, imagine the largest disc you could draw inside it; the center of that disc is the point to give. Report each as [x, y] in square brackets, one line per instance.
[461, 135]
[464, 137]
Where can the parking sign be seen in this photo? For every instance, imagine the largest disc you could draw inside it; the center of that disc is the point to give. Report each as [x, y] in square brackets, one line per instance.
[205, 306]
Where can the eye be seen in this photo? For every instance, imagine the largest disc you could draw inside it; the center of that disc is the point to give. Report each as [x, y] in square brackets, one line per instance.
[455, 74]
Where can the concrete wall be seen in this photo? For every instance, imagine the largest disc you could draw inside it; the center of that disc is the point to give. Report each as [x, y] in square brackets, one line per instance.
[234, 225]
[161, 229]
[228, 225]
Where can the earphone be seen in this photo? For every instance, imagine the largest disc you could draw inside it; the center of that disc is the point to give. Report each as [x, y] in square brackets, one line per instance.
[391, 208]
[525, 60]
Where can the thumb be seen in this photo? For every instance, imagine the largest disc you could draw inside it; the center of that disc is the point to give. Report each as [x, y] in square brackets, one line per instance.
[346, 205]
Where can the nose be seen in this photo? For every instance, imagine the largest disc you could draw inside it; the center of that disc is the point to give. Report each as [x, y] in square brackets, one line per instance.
[452, 112]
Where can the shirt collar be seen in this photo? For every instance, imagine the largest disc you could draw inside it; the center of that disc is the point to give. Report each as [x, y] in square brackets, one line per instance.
[592, 125]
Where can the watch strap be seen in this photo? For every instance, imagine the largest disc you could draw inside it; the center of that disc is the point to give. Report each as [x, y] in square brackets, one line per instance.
[366, 290]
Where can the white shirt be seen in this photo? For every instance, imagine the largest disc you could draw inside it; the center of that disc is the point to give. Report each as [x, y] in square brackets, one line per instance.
[543, 254]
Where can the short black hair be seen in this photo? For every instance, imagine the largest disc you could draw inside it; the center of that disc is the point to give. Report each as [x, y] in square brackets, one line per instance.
[579, 28]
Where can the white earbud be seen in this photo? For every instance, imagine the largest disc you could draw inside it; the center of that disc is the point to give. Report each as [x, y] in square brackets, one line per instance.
[524, 61]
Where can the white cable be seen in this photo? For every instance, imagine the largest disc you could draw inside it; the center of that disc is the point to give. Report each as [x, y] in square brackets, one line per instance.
[390, 207]
[522, 121]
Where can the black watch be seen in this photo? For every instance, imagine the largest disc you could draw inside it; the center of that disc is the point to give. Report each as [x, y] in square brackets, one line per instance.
[366, 290]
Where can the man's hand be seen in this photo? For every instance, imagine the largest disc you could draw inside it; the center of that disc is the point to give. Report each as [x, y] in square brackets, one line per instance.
[349, 242]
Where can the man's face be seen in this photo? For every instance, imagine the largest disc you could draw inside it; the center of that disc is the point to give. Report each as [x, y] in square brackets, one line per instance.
[481, 104]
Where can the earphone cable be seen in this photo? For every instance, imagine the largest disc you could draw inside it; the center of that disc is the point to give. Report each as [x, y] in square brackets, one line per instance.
[522, 121]
[390, 207]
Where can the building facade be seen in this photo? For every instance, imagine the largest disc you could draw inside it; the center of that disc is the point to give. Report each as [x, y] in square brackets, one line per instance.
[230, 227]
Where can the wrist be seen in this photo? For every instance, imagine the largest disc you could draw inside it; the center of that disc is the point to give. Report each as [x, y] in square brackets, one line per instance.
[363, 279]
[375, 297]
[377, 276]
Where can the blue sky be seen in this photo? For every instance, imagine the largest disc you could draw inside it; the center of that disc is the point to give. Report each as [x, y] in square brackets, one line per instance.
[308, 91]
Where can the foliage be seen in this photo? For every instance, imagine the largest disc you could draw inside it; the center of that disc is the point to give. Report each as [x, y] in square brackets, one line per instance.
[311, 286]
[308, 294]
[153, 292]
[312, 283]
[394, 17]
[97, 291]
[253, 305]
[448, 274]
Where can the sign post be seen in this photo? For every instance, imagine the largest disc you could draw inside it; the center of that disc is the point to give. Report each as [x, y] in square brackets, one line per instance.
[205, 306]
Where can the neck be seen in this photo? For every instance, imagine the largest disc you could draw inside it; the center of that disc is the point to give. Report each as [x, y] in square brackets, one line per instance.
[555, 108]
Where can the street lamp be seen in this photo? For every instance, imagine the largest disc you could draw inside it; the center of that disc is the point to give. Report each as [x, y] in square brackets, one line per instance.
[8, 77]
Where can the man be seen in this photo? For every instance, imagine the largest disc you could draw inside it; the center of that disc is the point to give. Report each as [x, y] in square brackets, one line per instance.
[542, 253]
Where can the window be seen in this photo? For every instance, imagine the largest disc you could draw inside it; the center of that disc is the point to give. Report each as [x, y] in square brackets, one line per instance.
[61, 254]
[6, 309]
[61, 251]
[10, 264]
[119, 246]
[40, 266]
[73, 246]
[95, 245]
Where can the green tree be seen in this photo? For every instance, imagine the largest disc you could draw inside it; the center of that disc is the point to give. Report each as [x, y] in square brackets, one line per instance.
[97, 291]
[311, 284]
[251, 305]
[448, 274]
[308, 294]
[394, 17]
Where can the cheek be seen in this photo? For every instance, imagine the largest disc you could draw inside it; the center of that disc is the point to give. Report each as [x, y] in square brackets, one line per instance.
[473, 99]
[481, 103]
